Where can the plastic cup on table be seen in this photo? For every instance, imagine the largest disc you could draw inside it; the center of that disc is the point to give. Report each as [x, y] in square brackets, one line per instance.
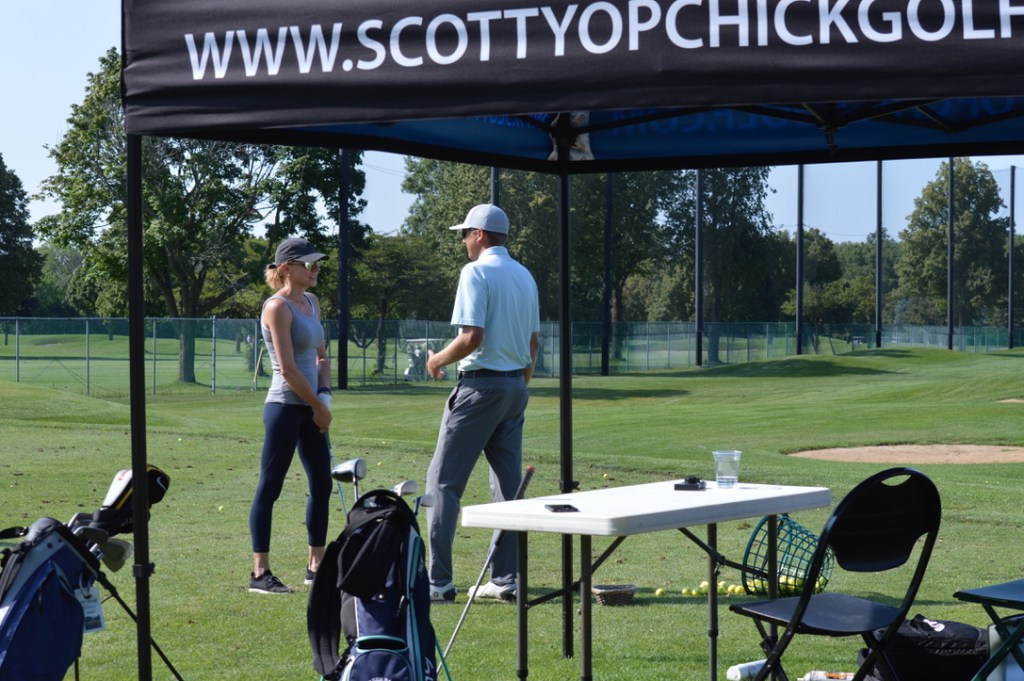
[727, 467]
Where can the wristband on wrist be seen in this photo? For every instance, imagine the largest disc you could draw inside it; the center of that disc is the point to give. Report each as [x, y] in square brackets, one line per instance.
[325, 389]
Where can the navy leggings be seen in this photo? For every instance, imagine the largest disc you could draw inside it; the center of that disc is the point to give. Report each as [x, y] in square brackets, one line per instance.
[287, 426]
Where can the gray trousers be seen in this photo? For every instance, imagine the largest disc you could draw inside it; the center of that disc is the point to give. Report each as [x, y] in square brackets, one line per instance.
[482, 415]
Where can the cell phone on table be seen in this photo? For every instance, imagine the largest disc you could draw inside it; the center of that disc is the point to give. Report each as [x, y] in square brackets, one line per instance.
[561, 508]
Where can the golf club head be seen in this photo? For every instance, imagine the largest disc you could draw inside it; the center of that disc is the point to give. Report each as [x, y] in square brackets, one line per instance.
[406, 488]
[424, 501]
[352, 470]
[115, 515]
[94, 535]
[115, 553]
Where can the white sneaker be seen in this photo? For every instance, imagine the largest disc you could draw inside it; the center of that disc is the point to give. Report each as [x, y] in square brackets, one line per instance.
[442, 594]
[498, 592]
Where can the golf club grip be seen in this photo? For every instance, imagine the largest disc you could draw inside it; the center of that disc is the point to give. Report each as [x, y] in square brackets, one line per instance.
[521, 492]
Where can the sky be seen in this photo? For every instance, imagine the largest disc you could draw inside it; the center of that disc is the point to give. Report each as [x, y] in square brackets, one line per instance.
[45, 73]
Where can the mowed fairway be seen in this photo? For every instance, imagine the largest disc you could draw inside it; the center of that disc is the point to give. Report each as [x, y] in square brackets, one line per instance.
[60, 452]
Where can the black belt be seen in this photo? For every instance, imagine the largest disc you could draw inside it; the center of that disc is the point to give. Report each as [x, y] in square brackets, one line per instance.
[490, 373]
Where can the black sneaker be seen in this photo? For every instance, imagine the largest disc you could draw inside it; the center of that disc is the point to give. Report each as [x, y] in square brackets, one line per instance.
[310, 576]
[267, 584]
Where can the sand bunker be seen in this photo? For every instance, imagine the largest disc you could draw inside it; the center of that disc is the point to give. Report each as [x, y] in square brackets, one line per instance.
[919, 454]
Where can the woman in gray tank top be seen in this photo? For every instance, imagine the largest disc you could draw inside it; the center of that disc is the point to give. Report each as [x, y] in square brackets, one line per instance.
[296, 413]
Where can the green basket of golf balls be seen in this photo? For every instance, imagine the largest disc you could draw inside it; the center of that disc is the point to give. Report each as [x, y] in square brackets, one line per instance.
[796, 546]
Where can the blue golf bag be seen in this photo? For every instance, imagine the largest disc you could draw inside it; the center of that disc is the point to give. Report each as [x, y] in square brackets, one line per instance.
[41, 620]
[372, 587]
[47, 579]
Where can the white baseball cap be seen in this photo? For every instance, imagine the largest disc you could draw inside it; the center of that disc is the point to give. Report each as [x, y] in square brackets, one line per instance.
[487, 217]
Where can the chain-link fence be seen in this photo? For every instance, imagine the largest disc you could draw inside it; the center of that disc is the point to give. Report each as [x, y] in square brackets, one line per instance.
[90, 355]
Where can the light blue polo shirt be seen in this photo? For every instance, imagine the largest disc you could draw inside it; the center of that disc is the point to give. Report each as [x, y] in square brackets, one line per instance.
[499, 295]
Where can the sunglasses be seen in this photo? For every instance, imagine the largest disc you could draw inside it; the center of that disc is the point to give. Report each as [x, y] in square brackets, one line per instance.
[308, 265]
[467, 232]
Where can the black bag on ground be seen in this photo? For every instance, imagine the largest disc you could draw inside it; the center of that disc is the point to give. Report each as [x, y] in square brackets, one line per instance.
[372, 587]
[934, 650]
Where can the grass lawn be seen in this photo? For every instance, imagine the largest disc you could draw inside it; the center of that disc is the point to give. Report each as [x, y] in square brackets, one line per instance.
[62, 450]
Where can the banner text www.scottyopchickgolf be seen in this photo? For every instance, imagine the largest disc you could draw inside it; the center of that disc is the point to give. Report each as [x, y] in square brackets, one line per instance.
[595, 28]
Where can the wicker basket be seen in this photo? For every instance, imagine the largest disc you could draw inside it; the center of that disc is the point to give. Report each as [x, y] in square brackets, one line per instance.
[614, 594]
[796, 546]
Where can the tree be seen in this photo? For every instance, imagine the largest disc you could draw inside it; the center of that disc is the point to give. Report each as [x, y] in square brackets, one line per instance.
[446, 191]
[18, 261]
[979, 250]
[857, 261]
[202, 201]
[55, 293]
[396, 279]
[747, 262]
[824, 299]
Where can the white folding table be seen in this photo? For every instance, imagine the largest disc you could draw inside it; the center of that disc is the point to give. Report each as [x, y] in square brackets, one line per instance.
[635, 509]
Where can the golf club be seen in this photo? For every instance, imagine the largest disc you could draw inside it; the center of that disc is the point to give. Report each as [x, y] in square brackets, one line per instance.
[424, 500]
[495, 541]
[351, 471]
[115, 514]
[256, 368]
[341, 491]
[114, 553]
[406, 488]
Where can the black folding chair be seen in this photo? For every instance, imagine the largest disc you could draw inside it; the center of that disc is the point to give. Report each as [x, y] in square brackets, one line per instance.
[875, 528]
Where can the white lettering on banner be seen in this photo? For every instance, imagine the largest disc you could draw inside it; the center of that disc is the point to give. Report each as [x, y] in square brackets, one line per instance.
[739, 20]
[672, 26]
[521, 15]
[210, 48]
[316, 45]
[783, 30]
[460, 32]
[396, 38]
[559, 27]
[637, 26]
[762, 23]
[593, 27]
[1006, 11]
[263, 47]
[484, 19]
[914, 19]
[831, 16]
[893, 19]
[971, 33]
[374, 46]
[616, 24]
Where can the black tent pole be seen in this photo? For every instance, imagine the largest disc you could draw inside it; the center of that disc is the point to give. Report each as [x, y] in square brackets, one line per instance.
[698, 268]
[949, 256]
[1010, 259]
[606, 294]
[878, 255]
[800, 259]
[137, 392]
[564, 137]
[344, 240]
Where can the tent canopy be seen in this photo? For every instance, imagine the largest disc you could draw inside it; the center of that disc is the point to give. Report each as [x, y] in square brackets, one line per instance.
[611, 84]
[659, 83]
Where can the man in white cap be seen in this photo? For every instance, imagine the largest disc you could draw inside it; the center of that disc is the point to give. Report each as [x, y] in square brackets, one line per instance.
[498, 315]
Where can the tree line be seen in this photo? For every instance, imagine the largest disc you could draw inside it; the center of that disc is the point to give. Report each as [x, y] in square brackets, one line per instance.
[214, 212]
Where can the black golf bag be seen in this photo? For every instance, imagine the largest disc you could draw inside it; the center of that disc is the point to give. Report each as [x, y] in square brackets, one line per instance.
[372, 587]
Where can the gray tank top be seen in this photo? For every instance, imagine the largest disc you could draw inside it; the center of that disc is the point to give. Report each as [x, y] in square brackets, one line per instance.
[307, 335]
